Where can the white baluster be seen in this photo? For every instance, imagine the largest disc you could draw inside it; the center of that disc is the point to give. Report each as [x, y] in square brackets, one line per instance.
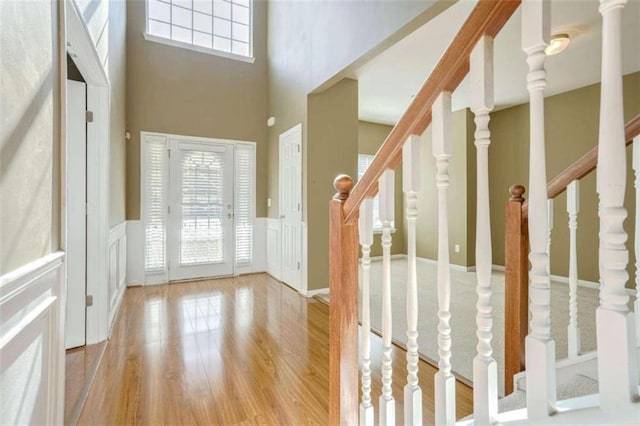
[387, 403]
[485, 370]
[636, 245]
[539, 346]
[365, 229]
[442, 148]
[550, 225]
[573, 207]
[615, 324]
[410, 186]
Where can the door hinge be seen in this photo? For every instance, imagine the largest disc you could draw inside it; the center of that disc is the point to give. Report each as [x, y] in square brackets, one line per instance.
[168, 209]
[89, 116]
[298, 265]
[169, 153]
[298, 146]
[298, 206]
[89, 300]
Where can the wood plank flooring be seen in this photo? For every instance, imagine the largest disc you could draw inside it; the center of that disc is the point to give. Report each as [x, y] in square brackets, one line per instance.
[243, 350]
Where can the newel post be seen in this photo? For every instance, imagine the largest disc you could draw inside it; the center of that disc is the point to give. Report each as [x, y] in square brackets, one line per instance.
[343, 309]
[516, 251]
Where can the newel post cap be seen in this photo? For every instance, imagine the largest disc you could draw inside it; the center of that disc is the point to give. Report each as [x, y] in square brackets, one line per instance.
[517, 192]
[343, 185]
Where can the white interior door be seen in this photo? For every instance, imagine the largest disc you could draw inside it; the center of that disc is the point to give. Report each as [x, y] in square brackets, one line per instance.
[201, 237]
[291, 205]
[76, 220]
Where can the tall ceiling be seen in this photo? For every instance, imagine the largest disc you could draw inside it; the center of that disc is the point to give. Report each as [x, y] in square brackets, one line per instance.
[388, 82]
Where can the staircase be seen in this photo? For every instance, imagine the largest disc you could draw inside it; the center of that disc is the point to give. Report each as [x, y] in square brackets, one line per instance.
[601, 387]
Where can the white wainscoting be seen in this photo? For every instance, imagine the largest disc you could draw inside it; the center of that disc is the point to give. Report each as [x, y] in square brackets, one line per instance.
[260, 245]
[135, 253]
[274, 262]
[117, 268]
[32, 303]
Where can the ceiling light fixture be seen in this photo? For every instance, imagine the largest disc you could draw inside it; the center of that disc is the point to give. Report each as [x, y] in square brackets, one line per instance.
[558, 43]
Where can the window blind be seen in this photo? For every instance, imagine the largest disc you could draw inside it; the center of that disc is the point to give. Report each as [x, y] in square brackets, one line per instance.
[245, 203]
[202, 236]
[155, 202]
[364, 161]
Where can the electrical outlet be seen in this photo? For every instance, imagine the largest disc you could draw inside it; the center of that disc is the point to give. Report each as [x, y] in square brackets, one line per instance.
[457, 248]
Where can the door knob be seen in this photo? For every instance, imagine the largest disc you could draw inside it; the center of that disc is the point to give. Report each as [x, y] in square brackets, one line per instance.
[229, 215]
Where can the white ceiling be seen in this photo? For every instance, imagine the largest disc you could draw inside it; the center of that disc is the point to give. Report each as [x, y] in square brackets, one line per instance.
[388, 81]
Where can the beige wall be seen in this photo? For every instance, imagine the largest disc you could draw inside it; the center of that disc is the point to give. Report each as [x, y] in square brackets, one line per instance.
[332, 149]
[571, 122]
[30, 132]
[313, 50]
[370, 137]
[461, 195]
[116, 70]
[179, 91]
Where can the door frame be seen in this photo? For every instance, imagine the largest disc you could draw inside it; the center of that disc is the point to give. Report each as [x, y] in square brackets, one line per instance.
[81, 47]
[303, 239]
[163, 277]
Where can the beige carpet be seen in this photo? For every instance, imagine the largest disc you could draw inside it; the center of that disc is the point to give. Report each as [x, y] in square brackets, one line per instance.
[463, 311]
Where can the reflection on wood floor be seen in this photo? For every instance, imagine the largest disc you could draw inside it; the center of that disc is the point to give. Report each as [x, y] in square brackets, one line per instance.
[237, 350]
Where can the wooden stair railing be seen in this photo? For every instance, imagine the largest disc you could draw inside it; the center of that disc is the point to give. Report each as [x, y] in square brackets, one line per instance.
[475, 39]
[517, 251]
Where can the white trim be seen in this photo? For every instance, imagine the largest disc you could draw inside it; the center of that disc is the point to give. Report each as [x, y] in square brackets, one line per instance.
[393, 257]
[453, 266]
[13, 281]
[32, 312]
[98, 214]
[88, 62]
[199, 49]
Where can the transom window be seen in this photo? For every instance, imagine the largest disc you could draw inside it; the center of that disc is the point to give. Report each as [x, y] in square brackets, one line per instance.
[215, 25]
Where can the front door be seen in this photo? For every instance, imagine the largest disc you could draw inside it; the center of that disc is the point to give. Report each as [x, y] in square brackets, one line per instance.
[200, 210]
[291, 205]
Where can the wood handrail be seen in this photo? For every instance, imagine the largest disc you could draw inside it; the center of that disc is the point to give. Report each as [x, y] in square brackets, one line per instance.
[584, 165]
[487, 18]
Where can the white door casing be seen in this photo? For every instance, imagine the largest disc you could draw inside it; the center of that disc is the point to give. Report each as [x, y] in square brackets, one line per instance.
[290, 178]
[76, 226]
[201, 214]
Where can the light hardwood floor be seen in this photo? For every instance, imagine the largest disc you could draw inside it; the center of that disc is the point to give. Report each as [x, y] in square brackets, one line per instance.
[245, 350]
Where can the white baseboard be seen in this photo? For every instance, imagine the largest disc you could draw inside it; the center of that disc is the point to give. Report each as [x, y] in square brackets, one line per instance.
[565, 280]
[427, 261]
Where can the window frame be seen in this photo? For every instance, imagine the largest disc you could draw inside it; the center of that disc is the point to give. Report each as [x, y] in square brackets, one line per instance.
[377, 225]
[197, 48]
